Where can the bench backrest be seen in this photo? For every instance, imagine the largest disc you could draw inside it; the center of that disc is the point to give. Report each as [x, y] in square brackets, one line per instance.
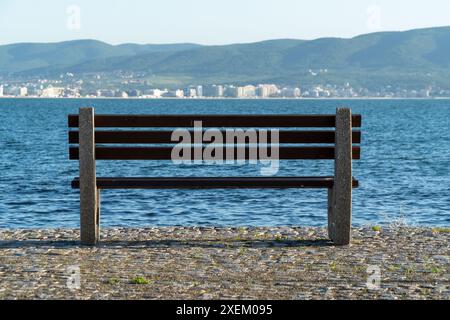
[316, 131]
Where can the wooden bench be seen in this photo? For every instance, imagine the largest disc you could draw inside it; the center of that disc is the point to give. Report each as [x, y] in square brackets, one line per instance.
[337, 141]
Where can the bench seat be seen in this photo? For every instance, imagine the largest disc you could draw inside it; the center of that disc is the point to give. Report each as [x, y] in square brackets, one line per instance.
[214, 183]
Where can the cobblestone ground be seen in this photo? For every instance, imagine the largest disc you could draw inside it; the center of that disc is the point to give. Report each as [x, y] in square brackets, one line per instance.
[225, 263]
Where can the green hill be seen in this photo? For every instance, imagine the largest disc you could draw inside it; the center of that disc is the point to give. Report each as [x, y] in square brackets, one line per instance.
[30, 57]
[413, 58]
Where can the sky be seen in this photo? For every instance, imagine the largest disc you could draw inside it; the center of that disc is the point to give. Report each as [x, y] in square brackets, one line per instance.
[211, 22]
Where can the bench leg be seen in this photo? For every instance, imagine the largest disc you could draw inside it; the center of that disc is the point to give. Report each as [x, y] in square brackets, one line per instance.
[90, 218]
[89, 194]
[97, 220]
[343, 178]
[331, 213]
[342, 220]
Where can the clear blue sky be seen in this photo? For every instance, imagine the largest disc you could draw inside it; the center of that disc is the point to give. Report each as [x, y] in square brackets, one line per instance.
[210, 21]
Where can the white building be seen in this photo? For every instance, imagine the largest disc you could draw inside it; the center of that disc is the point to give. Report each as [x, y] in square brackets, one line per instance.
[220, 91]
[199, 91]
[157, 93]
[192, 93]
[267, 90]
[179, 93]
[52, 92]
[246, 92]
[23, 91]
[1, 91]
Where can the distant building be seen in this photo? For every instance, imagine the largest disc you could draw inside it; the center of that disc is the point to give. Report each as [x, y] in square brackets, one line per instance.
[267, 90]
[291, 92]
[1, 91]
[199, 91]
[157, 93]
[240, 92]
[231, 92]
[192, 93]
[246, 92]
[220, 91]
[52, 92]
[179, 93]
[71, 93]
[213, 91]
[174, 94]
[133, 93]
[425, 93]
[12, 91]
[106, 93]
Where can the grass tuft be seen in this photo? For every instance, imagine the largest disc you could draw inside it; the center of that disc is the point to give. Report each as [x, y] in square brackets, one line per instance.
[441, 230]
[139, 280]
[333, 266]
[436, 270]
[394, 267]
[113, 281]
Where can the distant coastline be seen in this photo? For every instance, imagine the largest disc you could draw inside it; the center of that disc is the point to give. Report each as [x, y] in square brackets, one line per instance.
[416, 60]
[222, 99]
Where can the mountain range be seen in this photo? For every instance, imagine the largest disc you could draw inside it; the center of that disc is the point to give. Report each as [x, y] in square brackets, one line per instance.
[418, 57]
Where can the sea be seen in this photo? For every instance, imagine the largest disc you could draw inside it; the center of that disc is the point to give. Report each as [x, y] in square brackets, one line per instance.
[404, 171]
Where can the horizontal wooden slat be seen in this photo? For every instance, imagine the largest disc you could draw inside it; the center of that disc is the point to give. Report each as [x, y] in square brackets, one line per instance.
[242, 121]
[164, 153]
[214, 183]
[155, 137]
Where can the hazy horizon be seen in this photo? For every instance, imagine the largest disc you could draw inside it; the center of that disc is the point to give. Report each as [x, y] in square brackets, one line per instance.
[224, 44]
[207, 23]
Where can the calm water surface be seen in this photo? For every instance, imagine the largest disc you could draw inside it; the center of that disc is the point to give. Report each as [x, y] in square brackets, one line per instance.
[404, 172]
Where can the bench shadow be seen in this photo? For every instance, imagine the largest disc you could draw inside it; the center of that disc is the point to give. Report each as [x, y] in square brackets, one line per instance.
[148, 244]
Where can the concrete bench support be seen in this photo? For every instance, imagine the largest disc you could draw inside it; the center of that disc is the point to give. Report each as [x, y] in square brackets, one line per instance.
[331, 213]
[89, 195]
[342, 214]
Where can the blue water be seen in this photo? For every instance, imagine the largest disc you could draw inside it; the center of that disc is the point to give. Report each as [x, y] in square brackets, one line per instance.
[404, 172]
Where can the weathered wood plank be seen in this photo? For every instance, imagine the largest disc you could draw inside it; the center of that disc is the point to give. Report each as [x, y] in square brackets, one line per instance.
[165, 153]
[159, 137]
[217, 121]
[212, 182]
